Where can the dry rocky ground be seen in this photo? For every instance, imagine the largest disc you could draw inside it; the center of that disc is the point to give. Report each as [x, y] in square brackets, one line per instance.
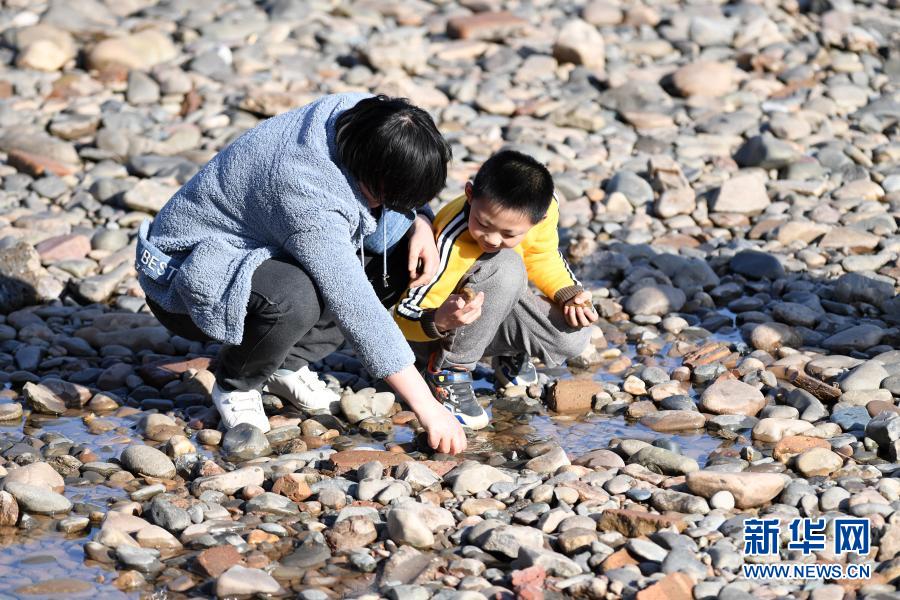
[732, 183]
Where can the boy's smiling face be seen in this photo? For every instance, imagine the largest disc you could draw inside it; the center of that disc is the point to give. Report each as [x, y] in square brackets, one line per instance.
[494, 227]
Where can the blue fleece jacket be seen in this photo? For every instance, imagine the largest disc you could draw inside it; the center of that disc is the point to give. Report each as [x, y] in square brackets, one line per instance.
[278, 189]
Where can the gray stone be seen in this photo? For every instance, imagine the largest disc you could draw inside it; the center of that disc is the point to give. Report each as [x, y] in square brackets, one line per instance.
[767, 152]
[167, 515]
[245, 442]
[38, 499]
[757, 265]
[633, 186]
[884, 428]
[145, 460]
[867, 376]
[270, 503]
[858, 337]
[656, 299]
[242, 581]
[660, 460]
[141, 89]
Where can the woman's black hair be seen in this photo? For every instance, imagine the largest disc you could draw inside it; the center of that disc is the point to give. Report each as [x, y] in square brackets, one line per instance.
[515, 181]
[395, 150]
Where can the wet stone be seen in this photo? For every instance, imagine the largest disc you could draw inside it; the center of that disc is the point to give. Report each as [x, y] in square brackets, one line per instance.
[245, 442]
[37, 499]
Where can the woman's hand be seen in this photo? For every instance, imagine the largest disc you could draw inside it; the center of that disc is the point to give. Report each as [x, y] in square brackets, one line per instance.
[579, 311]
[422, 248]
[445, 433]
[456, 312]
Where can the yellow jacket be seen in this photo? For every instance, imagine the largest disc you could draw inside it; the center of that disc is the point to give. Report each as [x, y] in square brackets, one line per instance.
[544, 263]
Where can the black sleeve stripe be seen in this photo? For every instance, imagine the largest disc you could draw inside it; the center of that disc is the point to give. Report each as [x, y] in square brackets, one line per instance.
[561, 255]
[568, 268]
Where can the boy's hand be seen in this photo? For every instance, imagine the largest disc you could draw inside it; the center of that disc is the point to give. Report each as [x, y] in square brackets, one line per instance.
[445, 433]
[422, 249]
[579, 311]
[456, 312]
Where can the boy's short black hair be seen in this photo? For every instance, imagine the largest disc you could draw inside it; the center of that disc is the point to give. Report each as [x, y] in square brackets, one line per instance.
[515, 181]
[394, 149]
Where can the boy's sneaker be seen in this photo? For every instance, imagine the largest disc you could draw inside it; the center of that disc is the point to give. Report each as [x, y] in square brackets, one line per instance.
[514, 370]
[238, 407]
[453, 388]
[303, 389]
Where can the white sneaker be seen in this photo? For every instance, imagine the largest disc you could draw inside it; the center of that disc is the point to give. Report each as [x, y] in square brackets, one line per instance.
[303, 389]
[240, 407]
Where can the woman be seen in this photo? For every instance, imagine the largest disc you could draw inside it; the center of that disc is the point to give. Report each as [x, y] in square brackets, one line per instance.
[264, 249]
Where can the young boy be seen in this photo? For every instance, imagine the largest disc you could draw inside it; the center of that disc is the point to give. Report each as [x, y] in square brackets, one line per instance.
[491, 241]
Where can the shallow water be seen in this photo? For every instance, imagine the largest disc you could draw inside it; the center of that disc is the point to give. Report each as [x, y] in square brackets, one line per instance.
[46, 556]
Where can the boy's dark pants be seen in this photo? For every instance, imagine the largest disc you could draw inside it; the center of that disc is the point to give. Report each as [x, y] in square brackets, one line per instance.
[514, 320]
[287, 325]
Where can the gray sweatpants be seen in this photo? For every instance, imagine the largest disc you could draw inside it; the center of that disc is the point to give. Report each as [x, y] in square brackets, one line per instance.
[514, 320]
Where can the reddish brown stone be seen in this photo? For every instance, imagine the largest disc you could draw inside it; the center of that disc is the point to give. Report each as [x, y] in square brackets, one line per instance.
[293, 486]
[217, 560]
[674, 586]
[676, 241]
[440, 467]
[6, 89]
[674, 420]
[191, 102]
[792, 445]
[64, 247]
[403, 417]
[529, 583]
[313, 441]
[618, 559]
[112, 74]
[161, 372]
[633, 523]
[37, 166]
[876, 407]
[258, 536]
[573, 395]
[349, 460]
[485, 26]
[87, 456]
[209, 468]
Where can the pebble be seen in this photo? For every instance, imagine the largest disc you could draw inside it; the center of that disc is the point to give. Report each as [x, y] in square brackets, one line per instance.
[818, 461]
[145, 460]
[747, 490]
[38, 499]
[245, 442]
[732, 397]
[38, 474]
[239, 581]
